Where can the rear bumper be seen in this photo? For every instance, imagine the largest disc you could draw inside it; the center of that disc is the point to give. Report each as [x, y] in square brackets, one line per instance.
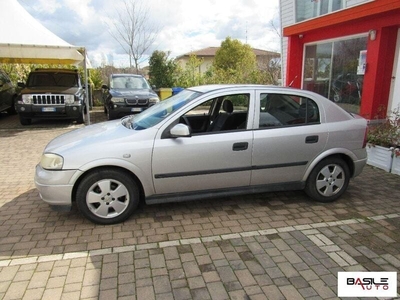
[359, 166]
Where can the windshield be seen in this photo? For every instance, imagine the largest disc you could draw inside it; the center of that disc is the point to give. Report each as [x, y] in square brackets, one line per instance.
[128, 82]
[160, 111]
[53, 79]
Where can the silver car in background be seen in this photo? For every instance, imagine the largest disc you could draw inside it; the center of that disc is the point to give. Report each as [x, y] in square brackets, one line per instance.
[206, 141]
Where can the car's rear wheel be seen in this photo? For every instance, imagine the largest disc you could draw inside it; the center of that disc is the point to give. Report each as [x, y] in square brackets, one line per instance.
[328, 180]
[107, 196]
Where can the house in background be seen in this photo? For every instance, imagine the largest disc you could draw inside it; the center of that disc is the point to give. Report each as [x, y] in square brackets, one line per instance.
[346, 50]
[207, 54]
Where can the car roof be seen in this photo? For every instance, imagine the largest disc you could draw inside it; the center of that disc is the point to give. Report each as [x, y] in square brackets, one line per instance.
[222, 87]
[52, 70]
[125, 75]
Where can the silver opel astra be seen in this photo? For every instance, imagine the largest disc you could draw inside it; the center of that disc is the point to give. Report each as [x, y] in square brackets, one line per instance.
[206, 141]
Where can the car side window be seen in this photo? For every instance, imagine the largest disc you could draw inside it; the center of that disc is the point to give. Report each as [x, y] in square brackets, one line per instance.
[281, 110]
[225, 113]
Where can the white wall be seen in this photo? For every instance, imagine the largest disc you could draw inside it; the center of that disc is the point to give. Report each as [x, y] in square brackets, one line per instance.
[287, 10]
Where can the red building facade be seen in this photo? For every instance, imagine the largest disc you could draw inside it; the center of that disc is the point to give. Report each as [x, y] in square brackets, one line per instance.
[349, 55]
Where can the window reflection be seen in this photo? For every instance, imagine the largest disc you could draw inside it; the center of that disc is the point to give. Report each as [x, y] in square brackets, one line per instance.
[307, 9]
[332, 70]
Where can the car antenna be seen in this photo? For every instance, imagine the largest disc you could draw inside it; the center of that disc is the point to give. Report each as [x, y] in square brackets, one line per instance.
[290, 84]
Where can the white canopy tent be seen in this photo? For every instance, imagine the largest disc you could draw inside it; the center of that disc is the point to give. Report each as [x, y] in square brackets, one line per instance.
[24, 40]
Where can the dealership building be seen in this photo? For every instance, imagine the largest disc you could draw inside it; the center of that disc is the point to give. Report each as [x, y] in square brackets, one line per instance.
[346, 50]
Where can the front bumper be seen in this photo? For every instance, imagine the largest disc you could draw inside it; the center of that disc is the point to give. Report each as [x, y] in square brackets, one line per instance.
[55, 187]
[50, 112]
[121, 110]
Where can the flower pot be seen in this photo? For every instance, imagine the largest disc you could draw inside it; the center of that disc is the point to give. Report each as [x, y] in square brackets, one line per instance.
[379, 157]
[396, 165]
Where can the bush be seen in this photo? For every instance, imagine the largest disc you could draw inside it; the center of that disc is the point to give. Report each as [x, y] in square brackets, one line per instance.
[387, 133]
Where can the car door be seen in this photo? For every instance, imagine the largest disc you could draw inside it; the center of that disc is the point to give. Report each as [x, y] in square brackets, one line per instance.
[288, 136]
[207, 160]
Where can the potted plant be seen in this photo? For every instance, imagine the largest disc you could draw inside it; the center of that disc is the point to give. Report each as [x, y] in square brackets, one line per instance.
[396, 162]
[384, 143]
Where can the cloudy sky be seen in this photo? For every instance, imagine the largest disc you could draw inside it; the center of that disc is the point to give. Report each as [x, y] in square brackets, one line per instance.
[184, 25]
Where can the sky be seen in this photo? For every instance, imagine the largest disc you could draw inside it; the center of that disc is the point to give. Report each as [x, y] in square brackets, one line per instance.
[183, 25]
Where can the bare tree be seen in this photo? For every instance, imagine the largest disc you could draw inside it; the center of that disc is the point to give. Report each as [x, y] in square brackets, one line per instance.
[133, 30]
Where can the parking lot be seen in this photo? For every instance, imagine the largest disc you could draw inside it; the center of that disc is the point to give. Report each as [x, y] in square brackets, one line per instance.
[266, 246]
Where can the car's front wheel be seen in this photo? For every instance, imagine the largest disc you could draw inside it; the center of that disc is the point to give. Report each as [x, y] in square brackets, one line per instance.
[82, 118]
[110, 115]
[25, 121]
[328, 180]
[107, 196]
[12, 110]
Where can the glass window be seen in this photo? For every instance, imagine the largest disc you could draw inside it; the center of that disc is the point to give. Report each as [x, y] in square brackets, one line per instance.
[128, 82]
[307, 9]
[224, 113]
[278, 110]
[332, 70]
[157, 113]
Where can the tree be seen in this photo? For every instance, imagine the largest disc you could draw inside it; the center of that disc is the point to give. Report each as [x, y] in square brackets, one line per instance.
[190, 75]
[162, 70]
[134, 31]
[235, 62]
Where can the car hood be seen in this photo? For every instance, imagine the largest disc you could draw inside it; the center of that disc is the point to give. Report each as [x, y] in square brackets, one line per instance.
[132, 92]
[106, 139]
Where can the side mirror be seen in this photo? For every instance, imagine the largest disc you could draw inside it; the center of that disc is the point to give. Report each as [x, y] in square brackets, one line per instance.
[21, 84]
[104, 87]
[180, 130]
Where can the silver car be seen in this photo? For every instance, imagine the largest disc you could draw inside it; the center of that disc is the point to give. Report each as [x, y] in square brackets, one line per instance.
[206, 141]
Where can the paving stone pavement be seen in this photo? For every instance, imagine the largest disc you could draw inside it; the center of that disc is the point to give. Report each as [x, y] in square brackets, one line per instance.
[265, 246]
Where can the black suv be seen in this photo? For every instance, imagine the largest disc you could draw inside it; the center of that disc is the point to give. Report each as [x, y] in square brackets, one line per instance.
[127, 94]
[52, 94]
[7, 94]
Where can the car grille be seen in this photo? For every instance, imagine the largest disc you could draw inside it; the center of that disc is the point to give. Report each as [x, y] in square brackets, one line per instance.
[137, 101]
[48, 99]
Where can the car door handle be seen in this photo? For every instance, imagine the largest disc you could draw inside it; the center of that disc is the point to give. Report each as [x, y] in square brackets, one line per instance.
[312, 139]
[240, 146]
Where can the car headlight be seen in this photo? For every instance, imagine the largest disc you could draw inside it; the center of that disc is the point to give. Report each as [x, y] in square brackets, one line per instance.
[69, 99]
[51, 161]
[27, 99]
[154, 100]
[117, 99]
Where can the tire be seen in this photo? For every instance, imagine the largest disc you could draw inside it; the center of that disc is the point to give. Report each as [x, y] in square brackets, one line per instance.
[82, 118]
[25, 121]
[328, 180]
[107, 196]
[12, 110]
[110, 116]
[336, 97]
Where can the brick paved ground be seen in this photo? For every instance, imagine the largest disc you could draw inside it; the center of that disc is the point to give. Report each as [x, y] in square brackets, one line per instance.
[266, 246]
